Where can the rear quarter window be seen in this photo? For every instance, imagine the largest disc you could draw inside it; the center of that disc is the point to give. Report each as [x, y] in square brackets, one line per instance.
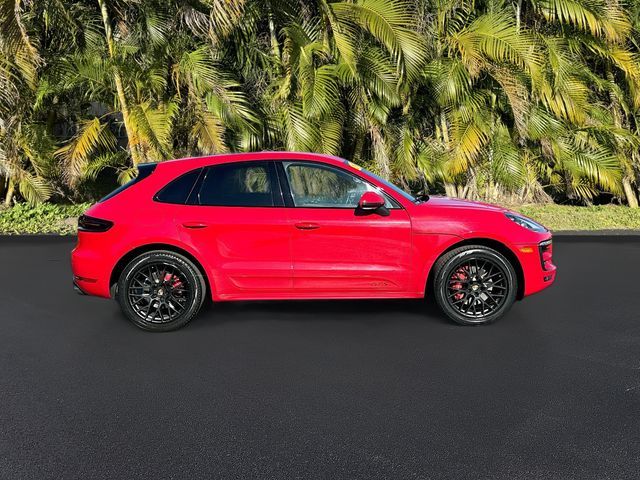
[144, 170]
[178, 190]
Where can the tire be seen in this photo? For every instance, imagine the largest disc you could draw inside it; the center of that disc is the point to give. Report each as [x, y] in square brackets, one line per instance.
[474, 285]
[160, 291]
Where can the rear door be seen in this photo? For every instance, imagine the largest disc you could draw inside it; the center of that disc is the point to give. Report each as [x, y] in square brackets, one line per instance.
[336, 250]
[237, 220]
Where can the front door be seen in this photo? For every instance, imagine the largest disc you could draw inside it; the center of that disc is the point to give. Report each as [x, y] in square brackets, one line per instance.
[337, 251]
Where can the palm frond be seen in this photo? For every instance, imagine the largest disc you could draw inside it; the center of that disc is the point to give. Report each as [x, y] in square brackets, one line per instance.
[96, 165]
[599, 18]
[390, 22]
[507, 164]
[208, 133]
[494, 37]
[33, 188]
[92, 136]
[153, 126]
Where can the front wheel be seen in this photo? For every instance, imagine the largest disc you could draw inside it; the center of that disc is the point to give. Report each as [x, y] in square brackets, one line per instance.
[474, 285]
[160, 291]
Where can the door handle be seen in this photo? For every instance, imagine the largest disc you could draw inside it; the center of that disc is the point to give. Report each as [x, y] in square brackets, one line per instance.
[194, 225]
[307, 226]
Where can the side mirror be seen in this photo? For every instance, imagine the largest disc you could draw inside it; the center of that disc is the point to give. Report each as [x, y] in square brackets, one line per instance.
[371, 202]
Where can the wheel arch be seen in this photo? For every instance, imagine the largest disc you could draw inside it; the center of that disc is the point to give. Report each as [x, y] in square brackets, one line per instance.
[127, 257]
[485, 242]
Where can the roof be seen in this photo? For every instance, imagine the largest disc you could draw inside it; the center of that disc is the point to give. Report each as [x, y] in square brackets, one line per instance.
[248, 156]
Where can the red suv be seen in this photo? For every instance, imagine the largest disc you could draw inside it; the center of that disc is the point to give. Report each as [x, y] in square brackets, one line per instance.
[282, 225]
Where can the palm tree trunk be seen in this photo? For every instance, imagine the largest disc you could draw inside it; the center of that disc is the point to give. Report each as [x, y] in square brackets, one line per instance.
[450, 190]
[629, 193]
[518, 14]
[10, 191]
[122, 99]
[445, 130]
[273, 37]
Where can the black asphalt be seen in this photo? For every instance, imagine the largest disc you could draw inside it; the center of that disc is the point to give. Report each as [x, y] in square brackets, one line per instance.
[383, 389]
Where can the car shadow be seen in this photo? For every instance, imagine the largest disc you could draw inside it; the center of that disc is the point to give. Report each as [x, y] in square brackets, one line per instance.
[361, 311]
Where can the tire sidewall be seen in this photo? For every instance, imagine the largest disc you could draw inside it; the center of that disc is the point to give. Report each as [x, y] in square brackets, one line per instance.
[446, 270]
[191, 272]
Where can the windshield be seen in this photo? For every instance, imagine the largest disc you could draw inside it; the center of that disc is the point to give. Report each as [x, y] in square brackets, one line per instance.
[393, 187]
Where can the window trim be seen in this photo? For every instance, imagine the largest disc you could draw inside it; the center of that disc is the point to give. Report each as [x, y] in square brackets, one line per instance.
[288, 196]
[276, 198]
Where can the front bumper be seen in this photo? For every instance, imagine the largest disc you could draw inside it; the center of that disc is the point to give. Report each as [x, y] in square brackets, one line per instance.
[536, 278]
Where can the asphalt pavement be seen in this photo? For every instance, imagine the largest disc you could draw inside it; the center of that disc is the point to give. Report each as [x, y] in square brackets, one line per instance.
[322, 390]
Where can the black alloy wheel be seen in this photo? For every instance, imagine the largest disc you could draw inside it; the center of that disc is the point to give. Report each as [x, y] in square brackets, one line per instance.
[475, 285]
[161, 290]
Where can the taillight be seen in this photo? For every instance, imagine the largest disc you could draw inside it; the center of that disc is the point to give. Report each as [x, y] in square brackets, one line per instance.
[92, 224]
[546, 254]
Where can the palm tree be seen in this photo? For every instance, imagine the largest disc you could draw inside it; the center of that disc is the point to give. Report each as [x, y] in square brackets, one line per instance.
[24, 147]
[165, 86]
[512, 109]
[335, 70]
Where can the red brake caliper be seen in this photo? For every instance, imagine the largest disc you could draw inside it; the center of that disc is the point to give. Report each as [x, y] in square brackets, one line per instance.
[176, 283]
[459, 276]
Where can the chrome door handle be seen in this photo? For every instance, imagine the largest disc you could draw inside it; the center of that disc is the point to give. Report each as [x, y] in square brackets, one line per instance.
[307, 226]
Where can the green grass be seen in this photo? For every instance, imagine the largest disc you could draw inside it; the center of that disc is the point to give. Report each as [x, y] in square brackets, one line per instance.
[605, 217]
[45, 218]
[61, 219]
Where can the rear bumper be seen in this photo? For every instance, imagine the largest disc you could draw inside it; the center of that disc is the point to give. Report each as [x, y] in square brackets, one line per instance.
[90, 266]
[77, 288]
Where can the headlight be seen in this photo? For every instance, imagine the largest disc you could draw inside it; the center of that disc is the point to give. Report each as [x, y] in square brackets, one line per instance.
[526, 223]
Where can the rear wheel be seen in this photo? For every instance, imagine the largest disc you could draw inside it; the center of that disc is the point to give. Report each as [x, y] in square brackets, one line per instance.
[160, 291]
[474, 285]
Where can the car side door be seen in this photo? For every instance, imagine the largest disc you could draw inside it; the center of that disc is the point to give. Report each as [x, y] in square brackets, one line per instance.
[237, 220]
[338, 251]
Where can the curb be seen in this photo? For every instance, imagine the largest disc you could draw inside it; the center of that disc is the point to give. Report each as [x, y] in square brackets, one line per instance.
[597, 235]
[35, 237]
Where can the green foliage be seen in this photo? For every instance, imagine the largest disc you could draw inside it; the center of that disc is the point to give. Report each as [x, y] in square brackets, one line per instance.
[45, 218]
[533, 100]
[601, 217]
[61, 219]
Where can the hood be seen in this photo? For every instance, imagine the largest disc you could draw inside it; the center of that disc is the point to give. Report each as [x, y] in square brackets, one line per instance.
[437, 201]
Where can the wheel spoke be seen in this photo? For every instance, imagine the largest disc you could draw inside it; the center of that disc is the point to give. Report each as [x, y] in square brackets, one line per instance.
[136, 302]
[494, 275]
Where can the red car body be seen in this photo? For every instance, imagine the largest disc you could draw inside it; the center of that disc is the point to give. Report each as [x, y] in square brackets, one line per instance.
[285, 252]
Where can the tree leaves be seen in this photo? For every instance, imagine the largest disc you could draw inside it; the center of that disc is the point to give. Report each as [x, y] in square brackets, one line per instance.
[461, 95]
[92, 136]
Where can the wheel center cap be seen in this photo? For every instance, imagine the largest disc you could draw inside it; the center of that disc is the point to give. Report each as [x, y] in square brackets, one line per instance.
[475, 287]
[160, 292]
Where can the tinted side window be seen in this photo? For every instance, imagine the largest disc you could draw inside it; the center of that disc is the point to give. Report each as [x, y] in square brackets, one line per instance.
[178, 190]
[144, 170]
[237, 185]
[322, 186]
